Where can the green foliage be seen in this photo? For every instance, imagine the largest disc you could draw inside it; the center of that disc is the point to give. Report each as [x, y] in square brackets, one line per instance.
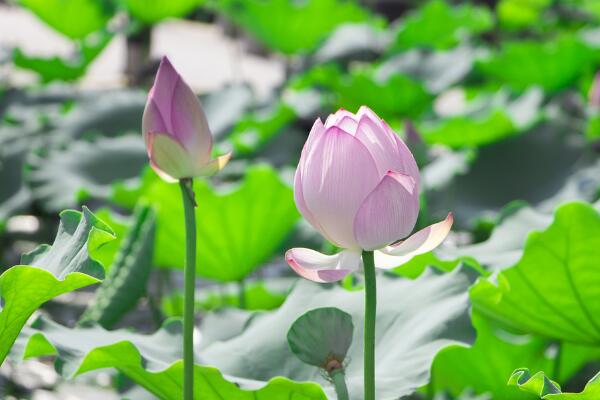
[405, 346]
[49, 271]
[553, 65]
[61, 177]
[439, 25]
[126, 280]
[515, 14]
[552, 290]
[154, 11]
[484, 366]
[238, 230]
[59, 69]
[289, 26]
[151, 361]
[73, 18]
[541, 386]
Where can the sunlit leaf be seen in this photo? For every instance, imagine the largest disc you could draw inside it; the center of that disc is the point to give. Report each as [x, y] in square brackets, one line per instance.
[152, 361]
[553, 289]
[553, 65]
[73, 18]
[151, 12]
[291, 26]
[438, 24]
[238, 228]
[49, 271]
[544, 388]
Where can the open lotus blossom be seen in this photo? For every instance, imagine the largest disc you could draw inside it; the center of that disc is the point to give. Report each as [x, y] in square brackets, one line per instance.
[358, 184]
[178, 139]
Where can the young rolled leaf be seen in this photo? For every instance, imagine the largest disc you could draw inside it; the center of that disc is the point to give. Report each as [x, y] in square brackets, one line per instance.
[126, 280]
[554, 289]
[49, 271]
[152, 361]
[540, 385]
[322, 337]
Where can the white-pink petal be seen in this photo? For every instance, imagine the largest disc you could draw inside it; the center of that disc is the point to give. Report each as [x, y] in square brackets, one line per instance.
[322, 268]
[421, 242]
[388, 213]
[341, 175]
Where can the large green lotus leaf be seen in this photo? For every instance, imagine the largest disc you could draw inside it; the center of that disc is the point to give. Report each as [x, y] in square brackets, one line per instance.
[153, 11]
[544, 388]
[152, 361]
[126, 279]
[485, 365]
[49, 271]
[553, 65]
[440, 25]
[517, 14]
[60, 69]
[553, 290]
[238, 229]
[291, 26]
[389, 93]
[63, 176]
[415, 319]
[485, 119]
[73, 18]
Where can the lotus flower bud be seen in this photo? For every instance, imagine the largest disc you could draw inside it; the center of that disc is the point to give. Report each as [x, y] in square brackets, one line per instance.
[357, 183]
[176, 132]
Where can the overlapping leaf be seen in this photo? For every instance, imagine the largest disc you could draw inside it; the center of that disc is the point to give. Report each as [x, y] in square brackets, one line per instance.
[433, 309]
[540, 385]
[553, 290]
[152, 361]
[49, 271]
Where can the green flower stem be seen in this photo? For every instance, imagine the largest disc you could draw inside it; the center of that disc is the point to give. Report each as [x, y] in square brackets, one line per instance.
[187, 194]
[370, 313]
[339, 383]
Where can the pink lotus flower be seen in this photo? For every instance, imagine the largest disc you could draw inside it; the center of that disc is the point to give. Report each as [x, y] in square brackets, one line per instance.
[594, 93]
[358, 184]
[178, 139]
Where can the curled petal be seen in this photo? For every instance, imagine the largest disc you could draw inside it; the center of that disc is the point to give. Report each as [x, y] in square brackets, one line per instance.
[213, 166]
[318, 267]
[388, 213]
[421, 242]
[339, 173]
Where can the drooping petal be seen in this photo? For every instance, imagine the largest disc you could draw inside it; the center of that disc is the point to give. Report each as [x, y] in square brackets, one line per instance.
[421, 242]
[338, 175]
[213, 166]
[388, 213]
[168, 158]
[318, 267]
[189, 123]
